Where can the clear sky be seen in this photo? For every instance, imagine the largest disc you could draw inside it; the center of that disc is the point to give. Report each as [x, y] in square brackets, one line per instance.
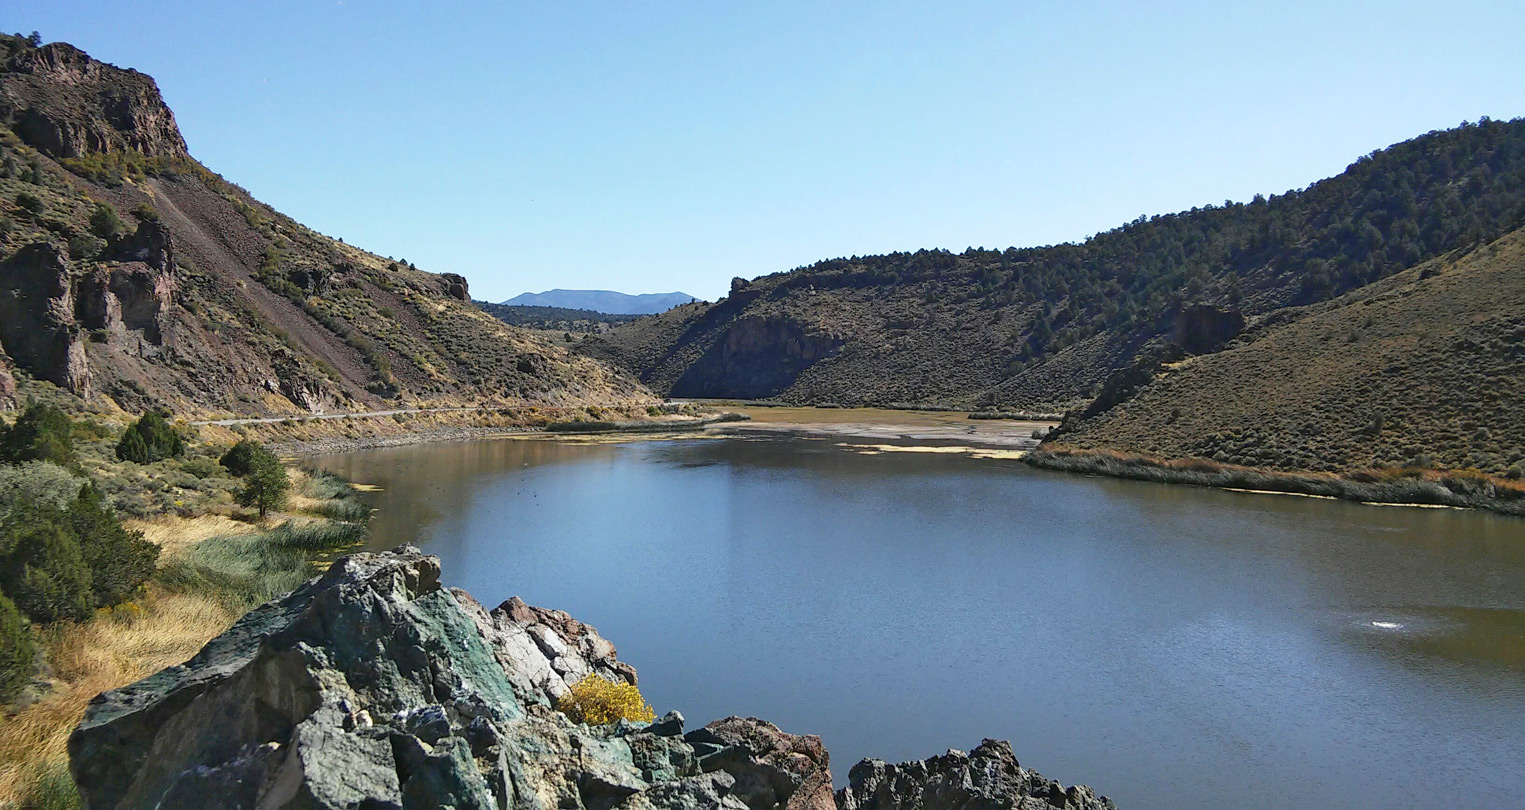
[651, 147]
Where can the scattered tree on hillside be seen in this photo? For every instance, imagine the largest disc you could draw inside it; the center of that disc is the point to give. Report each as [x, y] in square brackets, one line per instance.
[150, 439]
[41, 433]
[265, 484]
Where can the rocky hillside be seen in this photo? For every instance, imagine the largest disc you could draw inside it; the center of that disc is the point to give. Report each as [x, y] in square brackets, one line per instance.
[1423, 369]
[374, 686]
[1040, 329]
[130, 272]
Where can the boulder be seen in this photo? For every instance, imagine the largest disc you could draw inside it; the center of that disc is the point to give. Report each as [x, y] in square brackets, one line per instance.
[772, 769]
[987, 777]
[373, 686]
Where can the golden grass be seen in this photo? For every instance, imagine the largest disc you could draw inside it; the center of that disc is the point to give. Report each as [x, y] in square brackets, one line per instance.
[175, 534]
[119, 647]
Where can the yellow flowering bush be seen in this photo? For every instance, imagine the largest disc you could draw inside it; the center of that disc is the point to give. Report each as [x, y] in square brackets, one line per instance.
[595, 700]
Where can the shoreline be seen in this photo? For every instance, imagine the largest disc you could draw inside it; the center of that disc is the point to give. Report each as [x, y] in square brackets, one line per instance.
[1412, 488]
[1416, 488]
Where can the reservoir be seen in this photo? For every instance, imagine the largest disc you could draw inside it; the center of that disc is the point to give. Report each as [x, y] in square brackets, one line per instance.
[1170, 646]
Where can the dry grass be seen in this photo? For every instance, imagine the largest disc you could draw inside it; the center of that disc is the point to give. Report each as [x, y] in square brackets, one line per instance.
[121, 646]
[175, 534]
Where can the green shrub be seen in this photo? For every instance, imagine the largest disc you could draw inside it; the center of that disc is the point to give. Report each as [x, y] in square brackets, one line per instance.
[155, 440]
[265, 487]
[105, 223]
[41, 433]
[39, 482]
[132, 447]
[41, 567]
[120, 561]
[85, 246]
[16, 650]
[30, 203]
[243, 457]
[62, 551]
[203, 468]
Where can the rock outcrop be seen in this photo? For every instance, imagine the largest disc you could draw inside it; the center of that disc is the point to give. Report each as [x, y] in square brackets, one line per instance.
[758, 357]
[373, 686]
[68, 105]
[1203, 328]
[7, 384]
[987, 777]
[37, 316]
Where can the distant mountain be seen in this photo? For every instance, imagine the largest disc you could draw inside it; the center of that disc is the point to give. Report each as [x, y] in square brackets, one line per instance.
[606, 301]
[557, 318]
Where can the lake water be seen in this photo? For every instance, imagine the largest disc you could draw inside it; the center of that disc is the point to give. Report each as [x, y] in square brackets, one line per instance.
[1171, 646]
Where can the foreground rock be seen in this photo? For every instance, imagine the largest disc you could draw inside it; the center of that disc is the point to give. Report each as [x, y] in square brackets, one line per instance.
[987, 777]
[375, 687]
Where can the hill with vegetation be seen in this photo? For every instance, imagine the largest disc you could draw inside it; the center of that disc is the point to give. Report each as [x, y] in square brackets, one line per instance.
[131, 273]
[614, 303]
[558, 319]
[1425, 369]
[1041, 329]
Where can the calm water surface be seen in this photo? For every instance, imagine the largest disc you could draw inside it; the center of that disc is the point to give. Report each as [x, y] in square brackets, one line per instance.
[1173, 647]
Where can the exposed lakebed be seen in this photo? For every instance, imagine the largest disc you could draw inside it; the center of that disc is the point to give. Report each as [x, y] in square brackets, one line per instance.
[1170, 646]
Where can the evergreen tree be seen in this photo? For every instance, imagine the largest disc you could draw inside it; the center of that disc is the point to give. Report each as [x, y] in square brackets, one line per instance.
[16, 650]
[156, 440]
[41, 567]
[41, 433]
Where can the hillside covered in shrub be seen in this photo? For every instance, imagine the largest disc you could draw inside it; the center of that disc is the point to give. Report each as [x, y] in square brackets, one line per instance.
[1041, 328]
[1424, 369]
[129, 271]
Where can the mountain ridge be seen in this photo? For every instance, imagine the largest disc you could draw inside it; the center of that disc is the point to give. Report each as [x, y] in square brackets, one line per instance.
[608, 302]
[1041, 329]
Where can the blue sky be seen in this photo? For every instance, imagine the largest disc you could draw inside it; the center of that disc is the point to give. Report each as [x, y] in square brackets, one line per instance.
[649, 147]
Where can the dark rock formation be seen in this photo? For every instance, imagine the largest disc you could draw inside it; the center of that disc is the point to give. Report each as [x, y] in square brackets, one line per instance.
[67, 105]
[37, 324]
[375, 687]
[987, 777]
[771, 768]
[47, 303]
[758, 357]
[455, 286]
[1202, 328]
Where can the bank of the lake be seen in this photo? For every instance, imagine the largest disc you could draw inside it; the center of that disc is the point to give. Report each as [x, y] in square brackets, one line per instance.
[1460, 489]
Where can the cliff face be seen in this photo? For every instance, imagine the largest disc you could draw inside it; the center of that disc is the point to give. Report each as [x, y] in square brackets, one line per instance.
[69, 105]
[374, 686]
[131, 272]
